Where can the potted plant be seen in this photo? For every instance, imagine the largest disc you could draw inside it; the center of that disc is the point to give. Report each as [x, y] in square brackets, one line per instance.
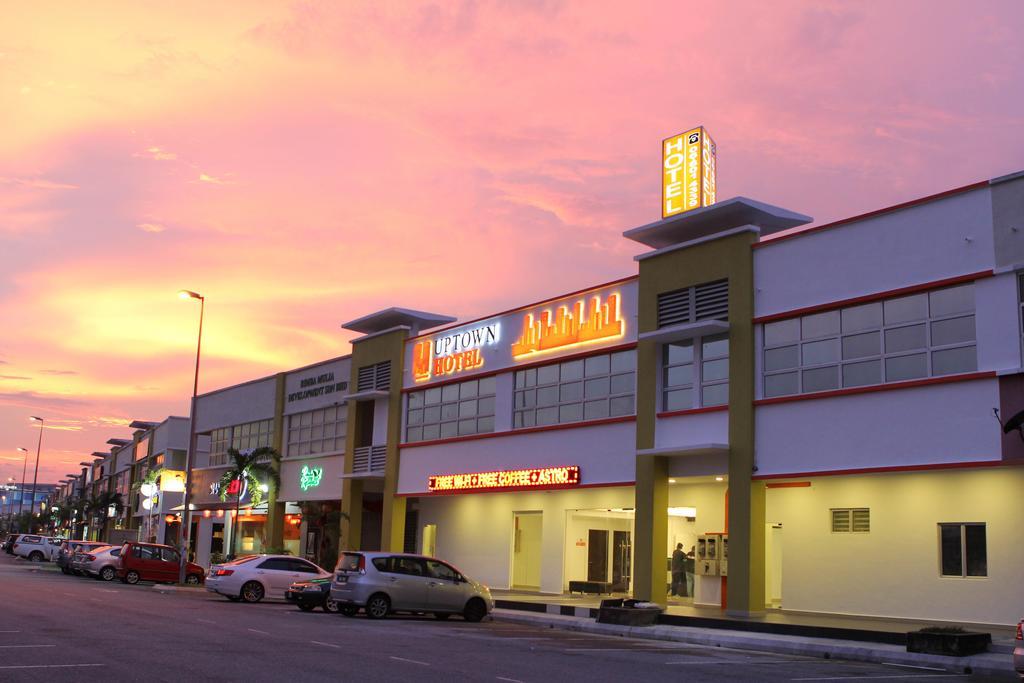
[952, 641]
[628, 612]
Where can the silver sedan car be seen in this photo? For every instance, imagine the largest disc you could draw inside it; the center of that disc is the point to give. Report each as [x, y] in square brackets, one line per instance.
[382, 583]
[1018, 650]
[100, 563]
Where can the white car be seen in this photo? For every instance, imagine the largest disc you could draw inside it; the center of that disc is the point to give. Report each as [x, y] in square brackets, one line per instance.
[253, 577]
[99, 563]
[37, 548]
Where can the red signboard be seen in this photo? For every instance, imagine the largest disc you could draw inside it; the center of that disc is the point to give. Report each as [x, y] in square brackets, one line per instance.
[538, 477]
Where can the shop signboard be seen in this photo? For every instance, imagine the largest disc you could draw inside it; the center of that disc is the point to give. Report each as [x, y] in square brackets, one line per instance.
[315, 387]
[537, 477]
[309, 477]
[172, 480]
[601, 317]
[688, 172]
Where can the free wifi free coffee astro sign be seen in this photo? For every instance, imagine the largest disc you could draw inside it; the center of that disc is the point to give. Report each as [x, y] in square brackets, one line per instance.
[590, 320]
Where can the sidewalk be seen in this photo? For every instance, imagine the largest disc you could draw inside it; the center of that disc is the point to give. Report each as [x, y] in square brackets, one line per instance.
[994, 662]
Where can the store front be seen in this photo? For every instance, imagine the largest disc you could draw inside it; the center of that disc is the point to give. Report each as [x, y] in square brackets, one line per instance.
[212, 519]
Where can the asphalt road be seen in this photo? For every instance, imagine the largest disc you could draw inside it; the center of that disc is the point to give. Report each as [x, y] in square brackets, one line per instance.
[63, 628]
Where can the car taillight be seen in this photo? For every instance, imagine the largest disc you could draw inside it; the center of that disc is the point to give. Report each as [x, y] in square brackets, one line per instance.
[224, 572]
[90, 558]
[1020, 630]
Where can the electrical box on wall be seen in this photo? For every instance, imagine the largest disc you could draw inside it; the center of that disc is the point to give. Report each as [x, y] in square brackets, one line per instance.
[723, 563]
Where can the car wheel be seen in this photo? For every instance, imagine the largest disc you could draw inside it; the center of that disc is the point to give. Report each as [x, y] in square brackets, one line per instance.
[475, 610]
[305, 606]
[107, 573]
[132, 577]
[252, 591]
[348, 610]
[35, 556]
[331, 605]
[441, 616]
[192, 580]
[378, 606]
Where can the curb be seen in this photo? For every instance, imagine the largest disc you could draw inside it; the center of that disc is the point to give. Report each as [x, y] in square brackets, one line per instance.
[988, 663]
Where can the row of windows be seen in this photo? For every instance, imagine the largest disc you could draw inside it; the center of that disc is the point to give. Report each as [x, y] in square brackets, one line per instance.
[240, 437]
[452, 410]
[695, 373]
[904, 338]
[571, 391]
[317, 431]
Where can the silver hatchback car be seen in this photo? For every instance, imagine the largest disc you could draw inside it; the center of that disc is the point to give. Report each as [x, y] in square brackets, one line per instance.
[381, 583]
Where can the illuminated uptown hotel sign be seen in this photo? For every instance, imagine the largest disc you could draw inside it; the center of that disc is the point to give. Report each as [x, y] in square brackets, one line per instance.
[688, 172]
[537, 477]
[589, 320]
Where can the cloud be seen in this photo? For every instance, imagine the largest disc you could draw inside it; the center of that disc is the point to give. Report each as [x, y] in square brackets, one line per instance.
[213, 180]
[157, 154]
[34, 399]
[150, 227]
[13, 377]
[37, 183]
[58, 372]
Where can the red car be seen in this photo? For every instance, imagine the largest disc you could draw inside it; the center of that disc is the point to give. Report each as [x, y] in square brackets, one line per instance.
[154, 562]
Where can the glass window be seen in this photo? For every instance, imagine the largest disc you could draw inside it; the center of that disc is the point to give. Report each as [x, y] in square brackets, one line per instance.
[899, 339]
[458, 409]
[584, 389]
[327, 431]
[963, 550]
[439, 570]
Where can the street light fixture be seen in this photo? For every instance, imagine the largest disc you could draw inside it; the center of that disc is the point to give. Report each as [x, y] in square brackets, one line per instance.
[186, 514]
[35, 474]
[21, 494]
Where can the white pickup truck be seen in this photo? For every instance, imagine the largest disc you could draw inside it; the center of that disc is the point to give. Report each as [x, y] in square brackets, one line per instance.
[37, 548]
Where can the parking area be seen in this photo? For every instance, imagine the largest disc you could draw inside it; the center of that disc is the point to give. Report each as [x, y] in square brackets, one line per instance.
[67, 628]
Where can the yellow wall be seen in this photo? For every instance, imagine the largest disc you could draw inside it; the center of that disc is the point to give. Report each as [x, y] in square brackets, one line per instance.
[894, 569]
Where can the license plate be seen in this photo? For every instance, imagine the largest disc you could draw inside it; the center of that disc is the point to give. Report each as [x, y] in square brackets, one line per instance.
[341, 578]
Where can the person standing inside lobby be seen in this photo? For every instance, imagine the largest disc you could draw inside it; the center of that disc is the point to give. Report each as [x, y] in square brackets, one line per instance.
[678, 569]
[690, 567]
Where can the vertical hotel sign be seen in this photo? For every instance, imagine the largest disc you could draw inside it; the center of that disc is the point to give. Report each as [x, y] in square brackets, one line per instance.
[688, 172]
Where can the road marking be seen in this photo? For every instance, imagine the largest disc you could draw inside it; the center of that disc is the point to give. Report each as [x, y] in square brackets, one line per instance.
[743, 662]
[510, 680]
[46, 666]
[621, 649]
[10, 631]
[256, 630]
[107, 590]
[336, 647]
[206, 621]
[867, 678]
[411, 661]
[20, 646]
[915, 666]
[523, 638]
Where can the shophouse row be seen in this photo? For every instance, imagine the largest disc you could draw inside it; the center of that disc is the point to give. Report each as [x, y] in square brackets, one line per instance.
[813, 410]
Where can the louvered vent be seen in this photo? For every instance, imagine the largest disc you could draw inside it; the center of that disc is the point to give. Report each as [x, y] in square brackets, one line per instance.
[674, 307]
[840, 521]
[847, 520]
[861, 520]
[364, 381]
[382, 376]
[712, 301]
[708, 301]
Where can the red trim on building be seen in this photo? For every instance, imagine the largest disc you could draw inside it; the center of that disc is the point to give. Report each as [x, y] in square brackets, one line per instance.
[770, 239]
[946, 379]
[522, 430]
[867, 298]
[693, 411]
[896, 468]
[508, 489]
[523, 308]
[788, 485]
[490, 373]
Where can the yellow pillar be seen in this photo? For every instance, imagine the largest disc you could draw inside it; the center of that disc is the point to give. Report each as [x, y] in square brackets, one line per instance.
[651, 527]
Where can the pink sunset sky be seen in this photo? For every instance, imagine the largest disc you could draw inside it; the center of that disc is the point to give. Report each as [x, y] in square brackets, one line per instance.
[303, 164]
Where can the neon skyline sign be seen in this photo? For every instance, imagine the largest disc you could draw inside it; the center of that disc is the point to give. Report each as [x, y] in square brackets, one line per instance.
[570, 327]
[568, 475]
[309, 477]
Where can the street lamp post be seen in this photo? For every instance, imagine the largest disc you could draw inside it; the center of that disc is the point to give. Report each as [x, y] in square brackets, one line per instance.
[186, 514]
[35, 474]
[21, 494]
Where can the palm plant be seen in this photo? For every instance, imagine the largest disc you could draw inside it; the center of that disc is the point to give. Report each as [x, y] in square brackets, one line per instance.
[253, 472]
[99, 508]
